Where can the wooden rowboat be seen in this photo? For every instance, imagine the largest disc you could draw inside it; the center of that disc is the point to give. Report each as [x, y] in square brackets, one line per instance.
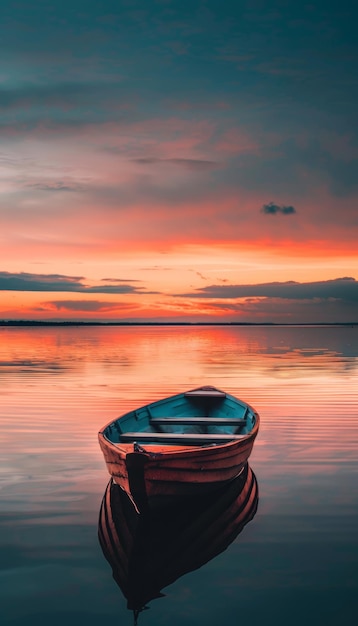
[148, 552]
[189, 443]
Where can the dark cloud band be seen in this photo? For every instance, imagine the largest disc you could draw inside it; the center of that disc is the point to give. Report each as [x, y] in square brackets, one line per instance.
[340, 288]
[56, 282]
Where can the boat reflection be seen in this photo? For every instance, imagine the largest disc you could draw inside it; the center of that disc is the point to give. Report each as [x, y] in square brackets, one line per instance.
[151, 550]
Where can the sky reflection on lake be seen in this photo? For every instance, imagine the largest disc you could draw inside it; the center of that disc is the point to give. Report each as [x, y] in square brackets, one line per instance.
[296, 561]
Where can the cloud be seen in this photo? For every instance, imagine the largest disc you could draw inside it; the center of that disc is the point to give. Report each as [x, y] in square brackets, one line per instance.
[288, 210]
[119, 280]
[55, 186]
[88, 306]
[56, 282]
[191, 164]
[278, 310]
[199, 274]
[273, 209]
[340, 288]
[24, 281]
[115, 289]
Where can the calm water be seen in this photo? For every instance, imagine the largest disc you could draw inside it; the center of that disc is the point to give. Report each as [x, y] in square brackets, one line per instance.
[295, 562]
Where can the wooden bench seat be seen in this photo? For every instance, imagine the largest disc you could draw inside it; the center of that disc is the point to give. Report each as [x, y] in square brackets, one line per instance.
[178, 438]
[198, 421]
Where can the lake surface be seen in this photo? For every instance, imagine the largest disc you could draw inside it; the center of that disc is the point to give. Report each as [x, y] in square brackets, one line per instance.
[294, 563]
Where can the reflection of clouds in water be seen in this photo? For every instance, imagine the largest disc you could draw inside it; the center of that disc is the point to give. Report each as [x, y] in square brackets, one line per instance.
[114, 357]
[317, 345]
[294, 363]
[27, 366]
[311, 339]
[56, 350]
[286, 351]
[315, 363]
[119, 361]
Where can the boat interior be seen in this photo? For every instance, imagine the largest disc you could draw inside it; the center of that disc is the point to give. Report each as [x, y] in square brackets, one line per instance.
[204, 416]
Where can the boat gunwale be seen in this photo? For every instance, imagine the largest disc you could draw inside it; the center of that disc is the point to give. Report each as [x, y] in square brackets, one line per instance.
[174, 450]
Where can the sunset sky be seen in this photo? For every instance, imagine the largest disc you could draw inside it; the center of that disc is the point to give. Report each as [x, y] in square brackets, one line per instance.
[179, 160]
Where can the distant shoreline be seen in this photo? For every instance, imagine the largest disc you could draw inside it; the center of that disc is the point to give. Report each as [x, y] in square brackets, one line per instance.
[146, 323]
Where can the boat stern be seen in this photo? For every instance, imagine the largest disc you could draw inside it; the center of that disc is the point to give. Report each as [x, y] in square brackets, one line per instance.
[126, 466]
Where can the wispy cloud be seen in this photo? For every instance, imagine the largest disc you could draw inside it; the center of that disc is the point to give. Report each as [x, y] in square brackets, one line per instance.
[191, 164]
[85, 306]
[55, 186]
[119, 280]
[199, 274]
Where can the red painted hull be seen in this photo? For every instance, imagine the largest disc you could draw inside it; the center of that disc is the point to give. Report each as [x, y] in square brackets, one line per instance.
[150, 476]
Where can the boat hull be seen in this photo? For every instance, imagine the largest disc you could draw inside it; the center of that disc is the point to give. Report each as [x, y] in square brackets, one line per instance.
[149, 475]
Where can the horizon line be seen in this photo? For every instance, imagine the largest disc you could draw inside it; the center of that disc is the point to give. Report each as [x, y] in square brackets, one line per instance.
[148, 323]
